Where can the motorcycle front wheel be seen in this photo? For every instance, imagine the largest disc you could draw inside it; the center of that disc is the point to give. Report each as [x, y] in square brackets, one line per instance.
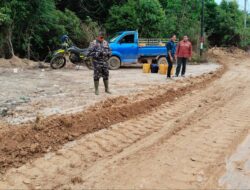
[58, 62]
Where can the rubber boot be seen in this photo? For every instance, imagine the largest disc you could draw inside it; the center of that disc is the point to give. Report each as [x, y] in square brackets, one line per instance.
[96, 82]
[106, 84]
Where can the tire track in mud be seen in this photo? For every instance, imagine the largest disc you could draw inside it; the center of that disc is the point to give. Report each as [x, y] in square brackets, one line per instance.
[76, 159]
[190, 159]
[92, 148]
[208, 148]
[49, 134]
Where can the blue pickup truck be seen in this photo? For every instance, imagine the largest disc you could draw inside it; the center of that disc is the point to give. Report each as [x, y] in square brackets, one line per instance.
[127, 49]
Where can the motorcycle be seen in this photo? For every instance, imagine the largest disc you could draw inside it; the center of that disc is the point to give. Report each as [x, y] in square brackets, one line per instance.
[76, 55]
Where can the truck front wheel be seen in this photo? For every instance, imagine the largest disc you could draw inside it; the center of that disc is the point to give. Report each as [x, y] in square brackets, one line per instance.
[162, 60]
[114, 63]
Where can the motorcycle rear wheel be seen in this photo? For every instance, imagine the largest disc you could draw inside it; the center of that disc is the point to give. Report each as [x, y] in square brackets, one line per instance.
[58, 62]
[89, 64]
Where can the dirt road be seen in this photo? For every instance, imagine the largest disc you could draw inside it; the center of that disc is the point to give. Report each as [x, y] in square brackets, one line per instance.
[181, 143]
[33, 92]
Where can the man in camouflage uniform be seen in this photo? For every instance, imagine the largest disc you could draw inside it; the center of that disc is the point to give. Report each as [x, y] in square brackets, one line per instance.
[100, 52]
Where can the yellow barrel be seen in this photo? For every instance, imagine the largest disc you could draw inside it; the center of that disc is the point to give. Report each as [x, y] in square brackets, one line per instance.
[146, 68]
[163, 69]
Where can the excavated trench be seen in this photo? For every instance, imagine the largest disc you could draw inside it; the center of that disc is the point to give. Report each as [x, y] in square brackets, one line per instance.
[22, 143]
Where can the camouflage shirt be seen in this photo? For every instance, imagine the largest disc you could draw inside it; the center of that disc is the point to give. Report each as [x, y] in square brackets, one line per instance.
[99, 51]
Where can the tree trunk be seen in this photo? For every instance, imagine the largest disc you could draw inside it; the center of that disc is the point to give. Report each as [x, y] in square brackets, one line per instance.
[28, 49]
[9, 41]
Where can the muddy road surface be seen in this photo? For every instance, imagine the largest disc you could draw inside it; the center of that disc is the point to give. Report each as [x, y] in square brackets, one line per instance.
[174, 136]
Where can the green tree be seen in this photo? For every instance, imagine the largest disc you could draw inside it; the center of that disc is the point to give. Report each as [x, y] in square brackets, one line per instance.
[146, 16]
[182, 18]
[227, 26]
[95, 9]
[123, 17]
[151, 18]
[55, 23]
[30, 26]
[6, 27]
[211, 13]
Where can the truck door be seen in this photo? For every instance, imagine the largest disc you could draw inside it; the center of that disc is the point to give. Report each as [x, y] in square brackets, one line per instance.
[128, 48]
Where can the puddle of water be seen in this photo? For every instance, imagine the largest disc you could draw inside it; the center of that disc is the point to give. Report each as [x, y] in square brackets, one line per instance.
[237, 174]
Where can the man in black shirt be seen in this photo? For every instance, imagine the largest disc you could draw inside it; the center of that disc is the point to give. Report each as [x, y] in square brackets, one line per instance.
[171, 49]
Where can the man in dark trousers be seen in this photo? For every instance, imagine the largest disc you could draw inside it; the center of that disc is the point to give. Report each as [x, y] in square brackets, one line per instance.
[100, 52]
[171, 49]
[183, 52]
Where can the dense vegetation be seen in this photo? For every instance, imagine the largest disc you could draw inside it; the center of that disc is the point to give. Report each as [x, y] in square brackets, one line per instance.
[29, 28]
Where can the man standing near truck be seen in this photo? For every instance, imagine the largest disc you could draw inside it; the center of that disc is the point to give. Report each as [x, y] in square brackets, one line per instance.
[184, 52]
[100, 52]
[171, 49]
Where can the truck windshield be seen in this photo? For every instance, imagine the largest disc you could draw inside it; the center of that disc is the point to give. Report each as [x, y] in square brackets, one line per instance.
[115, 37]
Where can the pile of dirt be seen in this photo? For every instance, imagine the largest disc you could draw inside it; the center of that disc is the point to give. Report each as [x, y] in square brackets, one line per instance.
[22, 143]
[232, 52]
[18, 63]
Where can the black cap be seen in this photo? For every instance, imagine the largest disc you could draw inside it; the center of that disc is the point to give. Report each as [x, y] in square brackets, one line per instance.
[101, 33]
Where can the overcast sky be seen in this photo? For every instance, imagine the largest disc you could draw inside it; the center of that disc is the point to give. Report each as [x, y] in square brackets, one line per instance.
[241, 3]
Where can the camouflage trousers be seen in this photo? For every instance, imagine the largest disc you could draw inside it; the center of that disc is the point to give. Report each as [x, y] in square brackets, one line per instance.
[101, 69]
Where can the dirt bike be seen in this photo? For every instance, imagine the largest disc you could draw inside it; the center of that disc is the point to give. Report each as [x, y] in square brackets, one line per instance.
[76, 55]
